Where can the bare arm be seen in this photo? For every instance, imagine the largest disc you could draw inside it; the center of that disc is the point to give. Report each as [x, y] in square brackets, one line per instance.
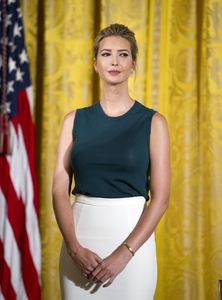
[61, 185]
[160, 189]
[159, 185]
[62, 178]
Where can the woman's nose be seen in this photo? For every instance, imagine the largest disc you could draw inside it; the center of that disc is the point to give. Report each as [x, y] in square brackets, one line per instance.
[114, 61]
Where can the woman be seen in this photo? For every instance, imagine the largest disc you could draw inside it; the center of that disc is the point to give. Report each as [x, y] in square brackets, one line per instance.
[117, 149]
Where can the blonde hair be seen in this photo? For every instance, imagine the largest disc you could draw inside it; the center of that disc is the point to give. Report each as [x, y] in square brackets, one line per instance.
[117, 30]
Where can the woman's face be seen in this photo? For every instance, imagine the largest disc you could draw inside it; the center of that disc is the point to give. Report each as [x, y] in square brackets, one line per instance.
[114, 62]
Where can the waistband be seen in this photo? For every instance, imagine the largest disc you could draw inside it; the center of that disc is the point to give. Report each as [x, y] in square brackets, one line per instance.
[99, 201]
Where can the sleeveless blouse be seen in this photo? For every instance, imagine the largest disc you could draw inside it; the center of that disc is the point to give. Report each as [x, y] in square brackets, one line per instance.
[110, 155]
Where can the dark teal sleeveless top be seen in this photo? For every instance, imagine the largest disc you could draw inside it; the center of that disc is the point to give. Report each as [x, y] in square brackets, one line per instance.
[110, 155]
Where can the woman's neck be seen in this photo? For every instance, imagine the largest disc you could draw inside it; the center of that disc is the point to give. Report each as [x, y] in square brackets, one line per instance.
[115, 98]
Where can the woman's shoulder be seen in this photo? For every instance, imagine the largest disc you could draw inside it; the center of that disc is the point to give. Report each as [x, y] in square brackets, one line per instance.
[159, 119]
[159, 123]
[69, 117]
[68, 120]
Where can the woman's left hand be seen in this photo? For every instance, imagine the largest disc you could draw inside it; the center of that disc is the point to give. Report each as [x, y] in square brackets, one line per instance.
[111, 266]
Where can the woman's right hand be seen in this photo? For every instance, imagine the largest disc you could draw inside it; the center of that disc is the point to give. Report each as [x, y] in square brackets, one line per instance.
[86, 259]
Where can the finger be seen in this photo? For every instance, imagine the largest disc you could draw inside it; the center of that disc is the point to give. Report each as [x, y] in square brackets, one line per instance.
[89, 269]
[93, 276]
[86, 271]
[102, 274]
[93, 266]
[109, 282]
[95, 263]
[97, 270]
[105, 278]
[98, 259]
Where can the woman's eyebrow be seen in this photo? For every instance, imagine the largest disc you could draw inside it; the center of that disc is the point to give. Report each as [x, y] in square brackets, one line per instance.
[109, 50]
[123, 50]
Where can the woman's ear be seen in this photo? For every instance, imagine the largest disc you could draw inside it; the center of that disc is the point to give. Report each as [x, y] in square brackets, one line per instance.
[133, 69]
[94, 64]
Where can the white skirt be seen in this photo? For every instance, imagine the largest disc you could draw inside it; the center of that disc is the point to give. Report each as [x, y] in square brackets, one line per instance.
[102, 224]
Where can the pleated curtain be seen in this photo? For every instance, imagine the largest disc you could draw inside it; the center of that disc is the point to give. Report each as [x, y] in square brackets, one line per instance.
[179, 73]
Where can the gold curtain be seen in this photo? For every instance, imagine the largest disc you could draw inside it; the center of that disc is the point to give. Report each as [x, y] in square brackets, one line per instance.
[179, 74]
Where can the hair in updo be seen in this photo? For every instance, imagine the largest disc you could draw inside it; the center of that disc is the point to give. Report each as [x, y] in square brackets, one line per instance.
[117, 30]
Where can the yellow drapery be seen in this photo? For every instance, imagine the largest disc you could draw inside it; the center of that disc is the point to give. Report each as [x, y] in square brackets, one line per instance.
[179, 74]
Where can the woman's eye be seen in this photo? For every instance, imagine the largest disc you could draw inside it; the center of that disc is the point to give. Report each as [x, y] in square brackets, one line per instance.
[105, 54]
[124, 54]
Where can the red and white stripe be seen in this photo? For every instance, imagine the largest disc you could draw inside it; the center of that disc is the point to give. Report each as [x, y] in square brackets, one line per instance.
[20, 247]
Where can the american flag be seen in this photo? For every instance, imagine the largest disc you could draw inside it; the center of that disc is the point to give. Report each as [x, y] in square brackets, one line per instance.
[20, 254]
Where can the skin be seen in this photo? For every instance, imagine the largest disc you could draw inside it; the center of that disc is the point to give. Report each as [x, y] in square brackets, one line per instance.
[114, 54]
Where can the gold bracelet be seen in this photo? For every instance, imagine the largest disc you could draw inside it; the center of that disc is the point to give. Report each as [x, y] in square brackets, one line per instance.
[129, 248]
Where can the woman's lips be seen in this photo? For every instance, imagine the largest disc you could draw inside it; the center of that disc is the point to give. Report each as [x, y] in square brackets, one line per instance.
[114, 72]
